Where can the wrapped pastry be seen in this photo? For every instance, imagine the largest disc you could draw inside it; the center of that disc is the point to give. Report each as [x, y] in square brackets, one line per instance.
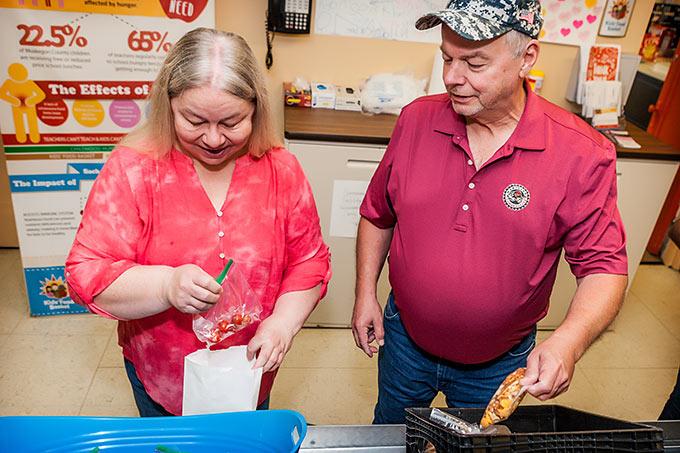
[505, 400]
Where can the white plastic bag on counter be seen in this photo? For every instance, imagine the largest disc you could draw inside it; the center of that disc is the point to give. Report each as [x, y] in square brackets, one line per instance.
[388, 93]
[220, 381]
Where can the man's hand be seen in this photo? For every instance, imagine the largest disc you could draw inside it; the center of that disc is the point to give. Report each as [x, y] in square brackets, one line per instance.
[550, 368]
[367, 325]
[190, 289]
[273, 339]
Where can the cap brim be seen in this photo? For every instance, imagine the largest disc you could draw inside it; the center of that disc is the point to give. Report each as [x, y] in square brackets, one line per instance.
[469, 26]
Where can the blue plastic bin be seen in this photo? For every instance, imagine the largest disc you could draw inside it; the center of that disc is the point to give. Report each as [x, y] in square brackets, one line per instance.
[257, 431]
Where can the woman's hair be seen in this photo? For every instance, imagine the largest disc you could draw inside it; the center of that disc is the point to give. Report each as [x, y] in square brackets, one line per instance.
[204, 57]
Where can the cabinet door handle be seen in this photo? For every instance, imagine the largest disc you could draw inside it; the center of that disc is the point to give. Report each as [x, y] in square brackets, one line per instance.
[362, 163]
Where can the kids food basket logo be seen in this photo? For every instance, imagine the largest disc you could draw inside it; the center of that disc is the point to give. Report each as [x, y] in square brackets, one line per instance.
[53, 288]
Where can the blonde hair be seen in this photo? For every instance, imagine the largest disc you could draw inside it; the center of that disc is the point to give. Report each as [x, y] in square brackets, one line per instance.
[201, 57]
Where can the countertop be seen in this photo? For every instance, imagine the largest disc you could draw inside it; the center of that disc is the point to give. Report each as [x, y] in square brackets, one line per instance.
[355, 127]
[657, 69]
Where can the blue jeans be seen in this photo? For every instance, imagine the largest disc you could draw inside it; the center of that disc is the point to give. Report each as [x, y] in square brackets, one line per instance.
[671, 411]
[410, 377]
[148, 407]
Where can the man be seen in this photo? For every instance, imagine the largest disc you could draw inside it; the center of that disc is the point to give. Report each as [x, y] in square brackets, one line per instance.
[479, 191]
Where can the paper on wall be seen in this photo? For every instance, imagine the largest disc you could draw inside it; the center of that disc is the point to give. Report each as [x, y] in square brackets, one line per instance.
[347, 198]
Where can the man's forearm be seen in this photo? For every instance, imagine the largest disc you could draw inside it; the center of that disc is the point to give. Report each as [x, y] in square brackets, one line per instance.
[596, 302]
[373, 243]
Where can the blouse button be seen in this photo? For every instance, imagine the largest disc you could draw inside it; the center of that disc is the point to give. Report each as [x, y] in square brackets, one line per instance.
[469, 161]
[471, 185]
[222, 255]
[465, 207]
[221, 234]
[219, 213]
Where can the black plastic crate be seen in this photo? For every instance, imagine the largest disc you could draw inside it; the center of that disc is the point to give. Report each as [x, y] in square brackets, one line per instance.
[547, 428]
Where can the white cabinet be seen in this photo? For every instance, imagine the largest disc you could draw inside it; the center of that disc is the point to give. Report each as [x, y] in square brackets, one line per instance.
[323, 163]
[642, 189]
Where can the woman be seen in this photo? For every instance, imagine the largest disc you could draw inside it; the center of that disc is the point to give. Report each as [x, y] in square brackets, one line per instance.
[201, 181]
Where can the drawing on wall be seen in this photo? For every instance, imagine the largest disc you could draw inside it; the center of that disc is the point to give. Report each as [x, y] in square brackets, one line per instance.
[616, 17]
[571, 22]
[376, 19]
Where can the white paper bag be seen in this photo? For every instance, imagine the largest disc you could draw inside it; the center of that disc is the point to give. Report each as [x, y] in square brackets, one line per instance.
[220, 381]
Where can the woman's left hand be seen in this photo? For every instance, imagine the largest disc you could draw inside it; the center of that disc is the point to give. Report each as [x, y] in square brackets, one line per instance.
[273, 340]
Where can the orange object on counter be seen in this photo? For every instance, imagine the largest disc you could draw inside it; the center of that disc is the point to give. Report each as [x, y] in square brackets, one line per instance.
[294, 97]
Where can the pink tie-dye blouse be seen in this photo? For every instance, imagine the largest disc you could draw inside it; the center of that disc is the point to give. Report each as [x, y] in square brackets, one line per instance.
[145, 211]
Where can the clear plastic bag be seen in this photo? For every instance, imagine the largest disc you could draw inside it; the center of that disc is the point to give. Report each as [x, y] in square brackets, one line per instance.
[236, 309]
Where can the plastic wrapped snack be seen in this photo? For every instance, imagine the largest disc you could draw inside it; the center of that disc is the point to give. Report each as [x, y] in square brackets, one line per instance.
[505, 400]
[236, 309]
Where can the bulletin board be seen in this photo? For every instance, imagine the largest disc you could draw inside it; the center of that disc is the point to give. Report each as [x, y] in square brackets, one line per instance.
[376, 19]
[569, 22]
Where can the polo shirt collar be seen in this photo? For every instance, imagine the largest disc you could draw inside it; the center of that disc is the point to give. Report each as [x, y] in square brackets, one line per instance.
[529, 134]
[448, 122]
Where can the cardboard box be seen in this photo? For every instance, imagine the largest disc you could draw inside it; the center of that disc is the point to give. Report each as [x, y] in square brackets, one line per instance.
[294, 97]
[323, 95]
[347, 98]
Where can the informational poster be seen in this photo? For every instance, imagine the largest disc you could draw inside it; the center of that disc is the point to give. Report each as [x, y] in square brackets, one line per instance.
[74, 76]
[572, 22]
[347, 198]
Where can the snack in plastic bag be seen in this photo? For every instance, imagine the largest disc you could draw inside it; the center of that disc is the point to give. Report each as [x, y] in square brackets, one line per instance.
[236, 309]
[505, 400]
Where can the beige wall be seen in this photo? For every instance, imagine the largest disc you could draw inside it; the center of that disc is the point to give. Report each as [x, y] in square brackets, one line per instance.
[346, 60]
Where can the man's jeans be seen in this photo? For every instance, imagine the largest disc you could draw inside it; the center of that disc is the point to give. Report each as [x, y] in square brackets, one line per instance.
[410, 377]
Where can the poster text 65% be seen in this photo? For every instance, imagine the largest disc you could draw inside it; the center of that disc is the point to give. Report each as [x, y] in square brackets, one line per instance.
[148, 41]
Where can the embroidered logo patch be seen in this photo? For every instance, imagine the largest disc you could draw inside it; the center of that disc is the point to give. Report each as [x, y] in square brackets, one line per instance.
[516, 197]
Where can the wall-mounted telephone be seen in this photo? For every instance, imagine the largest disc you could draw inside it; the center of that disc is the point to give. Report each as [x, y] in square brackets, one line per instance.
[289, 16]
[286, 16]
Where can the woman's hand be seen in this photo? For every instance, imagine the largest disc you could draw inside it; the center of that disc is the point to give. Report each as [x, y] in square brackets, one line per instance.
[190, 289]
[273, 340]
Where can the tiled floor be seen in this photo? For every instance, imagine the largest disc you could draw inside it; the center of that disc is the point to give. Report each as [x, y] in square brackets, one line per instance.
[72, 365]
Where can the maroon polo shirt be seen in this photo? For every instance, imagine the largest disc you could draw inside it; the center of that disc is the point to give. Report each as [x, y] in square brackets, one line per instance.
[475, 251]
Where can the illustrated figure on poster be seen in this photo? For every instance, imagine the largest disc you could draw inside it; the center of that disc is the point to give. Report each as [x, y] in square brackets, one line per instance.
[24, 95]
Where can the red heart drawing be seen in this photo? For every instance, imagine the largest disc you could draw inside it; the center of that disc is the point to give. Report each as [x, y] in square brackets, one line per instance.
[577, 23]
[565, 31]
[590, 18]
[186, 10]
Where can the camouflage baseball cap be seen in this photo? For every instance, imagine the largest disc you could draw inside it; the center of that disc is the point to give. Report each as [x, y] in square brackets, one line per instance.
[486, 19]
